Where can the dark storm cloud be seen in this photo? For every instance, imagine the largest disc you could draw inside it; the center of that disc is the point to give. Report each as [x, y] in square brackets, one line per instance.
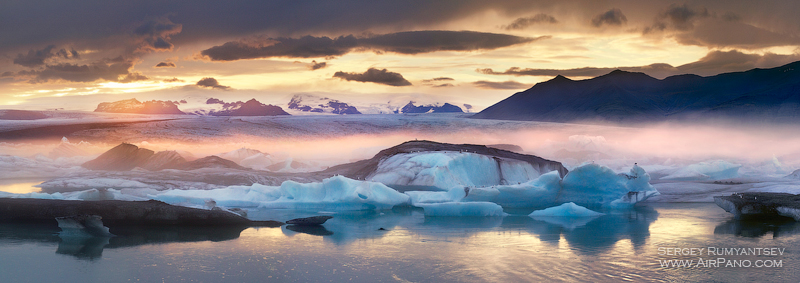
[500, 85]
[317, 66]
[613, 17]
[153, 35]
[523, 23]
[211, 83]
[374, 75]
[114, 70]
[678, 17]
[721, 33]
[35, 58]
[696, 25]
[165, 65]
[411, 42]
[715, 62]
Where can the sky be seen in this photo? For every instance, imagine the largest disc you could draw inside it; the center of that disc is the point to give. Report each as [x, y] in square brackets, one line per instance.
[75, 54]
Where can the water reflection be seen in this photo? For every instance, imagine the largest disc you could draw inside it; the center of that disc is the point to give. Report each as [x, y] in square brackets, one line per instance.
[87, 248]
[316, 230]
[590, 235]
[756, 228]
[91, 248]
[586, 235]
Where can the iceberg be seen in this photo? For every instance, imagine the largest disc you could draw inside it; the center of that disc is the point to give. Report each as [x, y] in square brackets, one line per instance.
[592, 184]
[588, 184]
[337, 193]
[462, 209]
[447, 169]
[569, 209]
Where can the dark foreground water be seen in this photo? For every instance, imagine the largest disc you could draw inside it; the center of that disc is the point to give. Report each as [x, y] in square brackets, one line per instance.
[412, 248]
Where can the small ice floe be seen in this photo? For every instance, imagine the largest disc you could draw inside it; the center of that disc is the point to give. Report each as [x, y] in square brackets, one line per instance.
[82, 226]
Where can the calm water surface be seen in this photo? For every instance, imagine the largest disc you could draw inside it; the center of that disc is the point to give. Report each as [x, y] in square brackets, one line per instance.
[412, 248]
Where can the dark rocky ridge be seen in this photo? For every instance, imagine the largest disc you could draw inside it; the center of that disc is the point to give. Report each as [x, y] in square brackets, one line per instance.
[116, 212]
[758, 95]
[126, 156]
[209, 162]
[120, 158]
[360, 170]
[761, 205]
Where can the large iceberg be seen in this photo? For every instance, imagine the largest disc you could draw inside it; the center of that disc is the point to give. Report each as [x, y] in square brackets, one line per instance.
[447, 169]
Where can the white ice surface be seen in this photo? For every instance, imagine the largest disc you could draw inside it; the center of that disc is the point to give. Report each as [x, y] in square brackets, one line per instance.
[449, 169]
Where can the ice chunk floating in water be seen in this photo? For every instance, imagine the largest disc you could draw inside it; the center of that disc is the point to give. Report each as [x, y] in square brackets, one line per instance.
[332, 194]
[566, 210]
[588, 184]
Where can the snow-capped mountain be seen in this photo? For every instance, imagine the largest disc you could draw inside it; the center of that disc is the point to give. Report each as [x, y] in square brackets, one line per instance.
[316, 104]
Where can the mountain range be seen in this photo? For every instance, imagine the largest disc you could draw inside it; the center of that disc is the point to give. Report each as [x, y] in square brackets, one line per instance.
[764, 95]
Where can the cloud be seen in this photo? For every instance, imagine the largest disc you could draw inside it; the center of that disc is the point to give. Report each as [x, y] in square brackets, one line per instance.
[677, 17]
[723, 33]
[697, 26]
[522, 23]
[500, 85]
[172, 80]
[437, 79]
[375, 76]
[443, 85]
[132, 77]
[317, 66]
[715, 62]
[36, 58]
[165, 65]
[211, 83]
[114, 70]
[410, 42]
[153, 35]
[613, 17]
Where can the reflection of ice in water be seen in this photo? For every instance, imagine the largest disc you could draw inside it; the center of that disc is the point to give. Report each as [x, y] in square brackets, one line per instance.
[411, 247]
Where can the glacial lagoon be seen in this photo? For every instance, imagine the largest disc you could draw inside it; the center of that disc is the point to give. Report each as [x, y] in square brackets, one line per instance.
[403, 245]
